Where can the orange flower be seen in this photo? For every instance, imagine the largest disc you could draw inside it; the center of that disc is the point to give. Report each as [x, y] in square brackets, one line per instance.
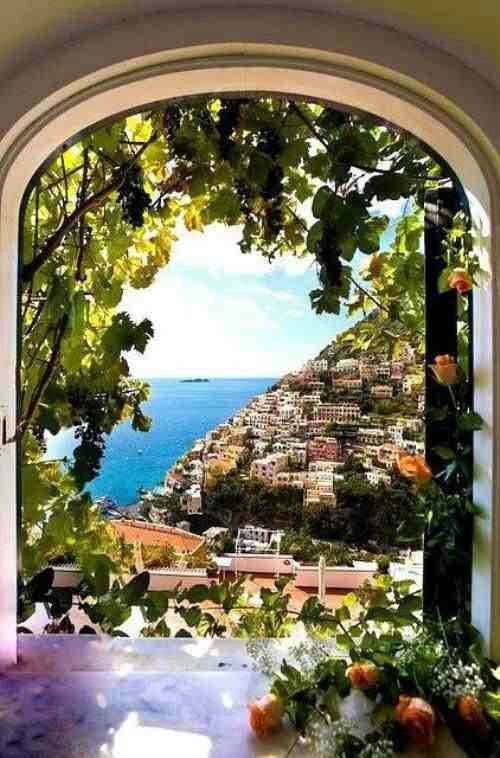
[417, 718]
[414, 467]
[472, 714]
[363, 675]
[460, 281]
[266, 715]
[445, 369]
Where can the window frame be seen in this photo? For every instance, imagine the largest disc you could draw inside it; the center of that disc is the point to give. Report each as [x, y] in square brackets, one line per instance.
[105, 93]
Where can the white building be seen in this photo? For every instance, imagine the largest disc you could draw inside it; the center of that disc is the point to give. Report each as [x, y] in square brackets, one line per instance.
[371, 435]
[347, 366]
[378, 476]
[191, 500]
[294, 449]
[319, 365]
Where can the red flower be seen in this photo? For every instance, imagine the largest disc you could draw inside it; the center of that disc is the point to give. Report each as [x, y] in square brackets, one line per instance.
[363, 675]
[414, 467]
[417, 718]
[266, 715]
[460, 281]
[445, 369]
[472, 714]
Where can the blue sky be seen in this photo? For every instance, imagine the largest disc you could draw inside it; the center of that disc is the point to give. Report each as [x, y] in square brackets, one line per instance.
[217, 312]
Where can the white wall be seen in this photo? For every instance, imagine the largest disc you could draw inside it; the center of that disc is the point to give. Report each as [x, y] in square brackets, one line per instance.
[336, 577]
[358, 65]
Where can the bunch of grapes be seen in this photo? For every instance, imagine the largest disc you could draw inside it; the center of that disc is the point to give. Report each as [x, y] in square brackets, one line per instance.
[272, 192]
[246, 196]
[172, 120]
[133, 197]
[229, 116]
[328, 256]
[90, 414]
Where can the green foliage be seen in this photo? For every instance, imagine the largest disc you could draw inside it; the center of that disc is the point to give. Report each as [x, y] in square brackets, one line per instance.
[102, 218]
[235, 500]
[382, 625]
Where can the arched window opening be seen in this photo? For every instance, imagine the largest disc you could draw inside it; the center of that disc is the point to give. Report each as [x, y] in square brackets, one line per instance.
[299, 179]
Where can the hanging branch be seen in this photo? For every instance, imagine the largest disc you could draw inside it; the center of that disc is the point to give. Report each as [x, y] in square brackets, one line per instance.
[81, 229]
[45, 378]
[66, 191]
[368, 169]
[92, 203]
[34, 244]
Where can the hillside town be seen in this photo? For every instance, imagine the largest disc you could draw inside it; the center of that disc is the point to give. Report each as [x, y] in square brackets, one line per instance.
[304, 430]
[301, 482]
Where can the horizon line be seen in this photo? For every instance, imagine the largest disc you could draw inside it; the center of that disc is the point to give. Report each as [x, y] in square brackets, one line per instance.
[208, 376]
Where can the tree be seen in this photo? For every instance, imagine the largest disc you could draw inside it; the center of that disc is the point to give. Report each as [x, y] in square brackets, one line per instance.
[102, 217]
[235, 500]
[367, 514]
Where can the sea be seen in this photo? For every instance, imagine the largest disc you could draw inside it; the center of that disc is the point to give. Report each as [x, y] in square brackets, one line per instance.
[181, 412]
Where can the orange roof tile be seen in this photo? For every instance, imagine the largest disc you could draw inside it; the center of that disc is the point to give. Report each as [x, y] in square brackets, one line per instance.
[155, 534]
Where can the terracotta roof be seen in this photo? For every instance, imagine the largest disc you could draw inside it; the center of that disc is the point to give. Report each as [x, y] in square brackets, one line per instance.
[154, 534]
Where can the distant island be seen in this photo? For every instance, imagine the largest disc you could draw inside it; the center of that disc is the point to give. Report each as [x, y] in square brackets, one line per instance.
[195, 380]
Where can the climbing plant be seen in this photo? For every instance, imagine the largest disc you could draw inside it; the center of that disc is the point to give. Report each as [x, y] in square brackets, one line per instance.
[297, 179]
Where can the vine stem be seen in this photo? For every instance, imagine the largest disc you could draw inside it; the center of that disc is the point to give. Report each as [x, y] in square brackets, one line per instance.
[93, 202]
[292, 746]
[371, 297]
[453, 398]
[46, 377]
[368, 169]
[353, 281]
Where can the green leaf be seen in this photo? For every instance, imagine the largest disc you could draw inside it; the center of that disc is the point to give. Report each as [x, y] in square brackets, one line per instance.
[470, 422]
[60, 601]
[192, 615]
[343, 640]
[197, 594]
[40, 585]
[410, 604]
[325, 300]
[320, 200]
[491, 701]
[162, 630]
[135, 590]
[314, 235]
[445, 453]
[389, 186]
[259, 168]
[102, 575]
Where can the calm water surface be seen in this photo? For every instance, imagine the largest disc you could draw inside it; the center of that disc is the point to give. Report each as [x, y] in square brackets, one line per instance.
[181, 412]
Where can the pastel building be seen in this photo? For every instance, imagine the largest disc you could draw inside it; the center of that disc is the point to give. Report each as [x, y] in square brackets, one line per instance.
[266, 468]
[324, 449]
[339, 412]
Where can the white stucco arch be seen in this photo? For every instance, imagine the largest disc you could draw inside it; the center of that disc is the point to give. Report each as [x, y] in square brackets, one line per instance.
[439, 100]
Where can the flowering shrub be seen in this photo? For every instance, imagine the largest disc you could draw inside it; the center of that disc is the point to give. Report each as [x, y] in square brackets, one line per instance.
[418, 675]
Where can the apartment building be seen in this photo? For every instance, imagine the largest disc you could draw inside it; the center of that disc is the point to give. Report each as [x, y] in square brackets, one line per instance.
[340, 412]
[347, 366]
[266, 468]
[324, 449]
[191, 500]
[381, 391]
